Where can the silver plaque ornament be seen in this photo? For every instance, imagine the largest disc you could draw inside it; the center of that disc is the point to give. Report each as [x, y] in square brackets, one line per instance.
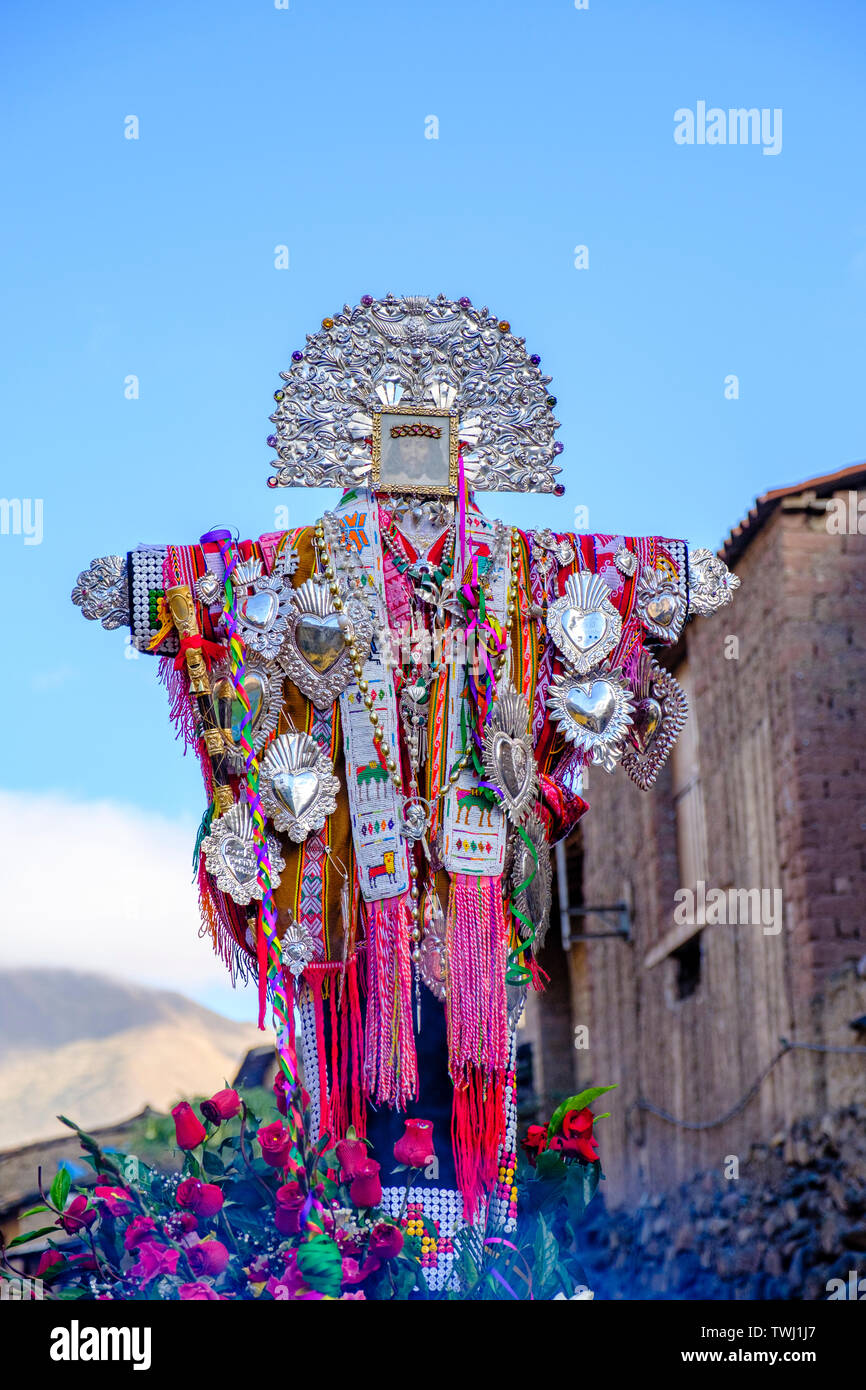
[231, 859]
[584, 624]
[711, 583]
[530, 880]
[263, 605]
[102, 592]
[264, 688]
[594, 713]
[660, 605]
[298, 786]
[660, 712]
[509, 762]
[314, 652]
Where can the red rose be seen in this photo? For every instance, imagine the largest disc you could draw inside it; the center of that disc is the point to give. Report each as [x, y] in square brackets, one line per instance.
[415, 1149]
[290, 1204]
[386, 1241]
[535, 1142]
[76, 1217]
[351, 1154]
[366, 1189]
[208, 1257]
[275, 1143]
[49, 1258]
[198, 1292]
[223, 1106]
[189, 1130]
[578, 1136]
[188, 1193]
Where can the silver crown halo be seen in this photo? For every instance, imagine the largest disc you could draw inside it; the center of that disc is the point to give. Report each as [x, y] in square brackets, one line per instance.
[594, 712]
[508, 758]
[230, 856]
[298, 786]
[416, 352]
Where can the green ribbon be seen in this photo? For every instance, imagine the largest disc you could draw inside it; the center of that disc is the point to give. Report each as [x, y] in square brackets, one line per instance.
[515, 973]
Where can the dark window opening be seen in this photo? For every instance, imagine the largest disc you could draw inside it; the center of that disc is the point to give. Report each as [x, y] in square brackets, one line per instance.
[688, 965]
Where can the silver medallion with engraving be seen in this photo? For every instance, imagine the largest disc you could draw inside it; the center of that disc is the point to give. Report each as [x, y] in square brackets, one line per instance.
[314, 653]
[231, 859]
[584, 624]
[594, 712]
[298, 786]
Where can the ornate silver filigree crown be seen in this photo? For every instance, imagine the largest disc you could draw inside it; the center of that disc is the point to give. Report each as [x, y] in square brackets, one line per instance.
[416, 352]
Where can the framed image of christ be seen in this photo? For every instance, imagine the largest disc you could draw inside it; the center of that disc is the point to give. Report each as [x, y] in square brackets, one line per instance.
[415, 453]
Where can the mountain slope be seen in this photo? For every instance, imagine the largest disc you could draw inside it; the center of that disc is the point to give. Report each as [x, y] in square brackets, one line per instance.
[98, 1050]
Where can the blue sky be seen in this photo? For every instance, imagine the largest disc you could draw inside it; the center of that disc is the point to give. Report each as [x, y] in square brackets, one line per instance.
[305, 127]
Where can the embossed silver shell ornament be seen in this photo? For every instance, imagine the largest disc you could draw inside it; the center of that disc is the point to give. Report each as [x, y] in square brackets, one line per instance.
[660, 605]
[298, 786]
[711, 583]
[415, 351]
[263, 604]
[594, 713]
[509, 761]
[583, 623]
[101, 592]
[314, 653]
[230, 855]
[660, 712]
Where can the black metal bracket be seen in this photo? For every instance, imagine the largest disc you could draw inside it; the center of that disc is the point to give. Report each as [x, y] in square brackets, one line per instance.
[618, 913]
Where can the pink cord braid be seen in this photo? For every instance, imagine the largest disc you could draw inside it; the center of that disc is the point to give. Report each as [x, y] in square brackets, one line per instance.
[268, 945]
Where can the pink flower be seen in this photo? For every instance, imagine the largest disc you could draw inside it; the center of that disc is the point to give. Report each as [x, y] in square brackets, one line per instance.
[200, 1292]
[275, 1142]
[344, 1297]
[154, 1259]
[189, 1130]
[116, 1199]
[223, 1106]
[415, 1148]
[366, 1188]
[76, 1217]
[139, 1229]
[208, 1257]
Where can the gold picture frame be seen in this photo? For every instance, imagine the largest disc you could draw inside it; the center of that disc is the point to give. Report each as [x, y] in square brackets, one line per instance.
[412, 472]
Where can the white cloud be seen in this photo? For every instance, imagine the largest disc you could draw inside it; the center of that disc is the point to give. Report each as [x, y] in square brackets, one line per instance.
[106, 887]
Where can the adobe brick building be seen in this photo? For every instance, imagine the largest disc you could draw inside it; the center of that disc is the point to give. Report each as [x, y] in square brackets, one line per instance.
[766, 790]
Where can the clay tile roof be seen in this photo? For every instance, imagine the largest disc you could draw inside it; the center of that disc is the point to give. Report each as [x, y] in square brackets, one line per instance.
[823, 486]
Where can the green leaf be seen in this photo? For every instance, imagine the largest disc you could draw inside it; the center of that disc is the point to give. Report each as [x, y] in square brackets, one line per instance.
[213, 1164]
[34, 1211]
[60, 1188]
[32, 1235]
[578, 1102]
